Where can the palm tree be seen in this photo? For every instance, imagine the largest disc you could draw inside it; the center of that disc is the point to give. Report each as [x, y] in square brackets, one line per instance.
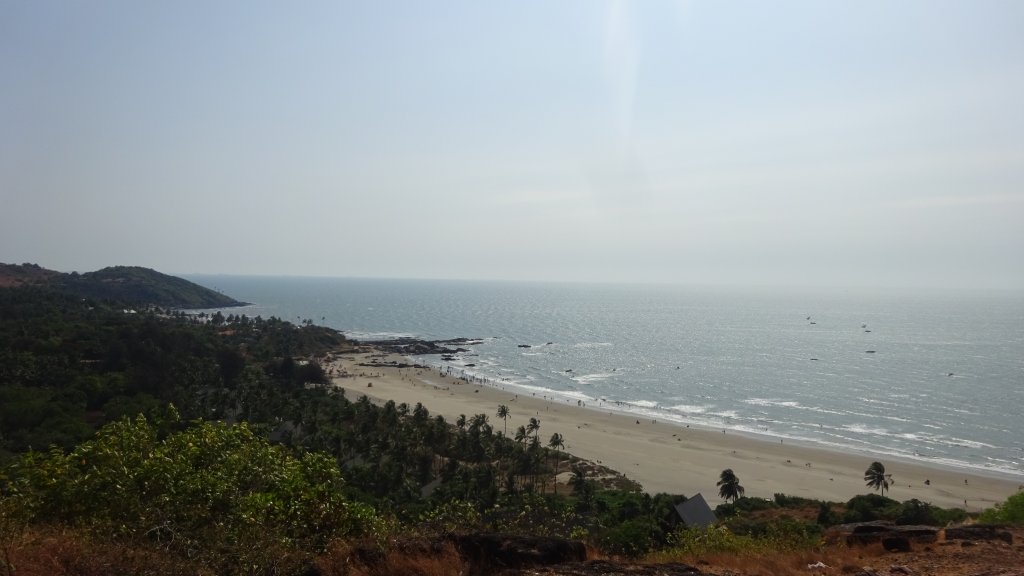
[478, 421]
[461, 421]
[521, 434]
[558, 443]
[534, 458]
[533, 427]
[876, 477]
[503, 413]
[729, 486]
[582, 488]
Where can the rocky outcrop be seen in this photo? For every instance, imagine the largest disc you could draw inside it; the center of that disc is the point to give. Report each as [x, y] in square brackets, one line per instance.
[976, 532]
[896, 543]
[392, 364]
[605, 568]
[893, 538]
[417, 347]
[491, 553]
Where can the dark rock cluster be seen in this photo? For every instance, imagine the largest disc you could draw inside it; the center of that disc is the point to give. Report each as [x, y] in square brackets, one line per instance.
[417, 347]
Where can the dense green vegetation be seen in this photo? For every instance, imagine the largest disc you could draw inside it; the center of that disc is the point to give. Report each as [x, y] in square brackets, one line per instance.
[214, 439]
[130, 285]
[210, 490]
[69, 365]
[860, 508]
[1009, 512]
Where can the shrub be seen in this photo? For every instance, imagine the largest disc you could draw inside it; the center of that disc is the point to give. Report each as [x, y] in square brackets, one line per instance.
[783, 535]
[697, 542]
[917, 512]
[534, 514]
[1009, 512]
[634, 537]
[213, 489]
[827, 516]
[453, 516]
[782, 529]
[745, 504]
[784, 501]
[868, 507]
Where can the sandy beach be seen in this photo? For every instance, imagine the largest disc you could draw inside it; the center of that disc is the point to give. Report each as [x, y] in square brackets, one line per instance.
[669, 457]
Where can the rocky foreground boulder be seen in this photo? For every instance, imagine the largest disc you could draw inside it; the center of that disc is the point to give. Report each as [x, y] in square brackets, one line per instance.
[489, 554]
[977, 532]
[606, 568]
[896, 538]
[492, 553]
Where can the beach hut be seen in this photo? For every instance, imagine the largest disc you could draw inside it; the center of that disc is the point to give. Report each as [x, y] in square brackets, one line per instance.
[695, 512]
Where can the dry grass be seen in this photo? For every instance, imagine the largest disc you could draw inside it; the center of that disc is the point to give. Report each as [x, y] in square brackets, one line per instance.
[64, 552]
[839, 559]
[53, 552]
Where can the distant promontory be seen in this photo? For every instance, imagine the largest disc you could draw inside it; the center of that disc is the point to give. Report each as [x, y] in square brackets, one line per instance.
[128, 284]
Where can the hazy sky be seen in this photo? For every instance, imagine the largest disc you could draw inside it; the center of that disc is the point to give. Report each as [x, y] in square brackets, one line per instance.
[833, 143]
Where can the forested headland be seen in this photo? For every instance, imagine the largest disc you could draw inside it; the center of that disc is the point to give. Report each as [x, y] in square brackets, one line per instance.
[129, 285]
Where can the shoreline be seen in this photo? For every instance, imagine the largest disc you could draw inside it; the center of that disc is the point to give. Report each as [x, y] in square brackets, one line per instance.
[665, 456]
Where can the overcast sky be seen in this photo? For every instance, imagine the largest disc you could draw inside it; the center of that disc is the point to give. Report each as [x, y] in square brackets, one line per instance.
[804, 143]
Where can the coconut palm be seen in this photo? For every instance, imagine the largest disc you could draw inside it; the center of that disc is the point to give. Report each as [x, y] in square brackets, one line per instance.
[521, 434]
[478, 421]
[876, 477]
[533, 427]
[582, 488]
[729, 485]
[503, 413]
[557, 443]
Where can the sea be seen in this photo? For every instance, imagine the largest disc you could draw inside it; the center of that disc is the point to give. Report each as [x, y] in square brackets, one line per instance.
[923, 375]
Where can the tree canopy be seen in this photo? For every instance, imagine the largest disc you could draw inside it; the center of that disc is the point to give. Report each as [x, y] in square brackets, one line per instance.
[876, 478]
[729, 485]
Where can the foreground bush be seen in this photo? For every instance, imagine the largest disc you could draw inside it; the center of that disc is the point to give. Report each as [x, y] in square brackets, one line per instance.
[213, 490]
[1009, 512]
[870, 507]
[694, 543]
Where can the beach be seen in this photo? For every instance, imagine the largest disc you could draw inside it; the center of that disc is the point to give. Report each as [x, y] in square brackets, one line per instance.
[669, 457]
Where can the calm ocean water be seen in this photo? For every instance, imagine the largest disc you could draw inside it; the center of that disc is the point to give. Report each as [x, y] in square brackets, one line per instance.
[936, 377]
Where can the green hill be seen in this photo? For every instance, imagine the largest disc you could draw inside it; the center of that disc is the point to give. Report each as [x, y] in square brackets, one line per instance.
[128, 284]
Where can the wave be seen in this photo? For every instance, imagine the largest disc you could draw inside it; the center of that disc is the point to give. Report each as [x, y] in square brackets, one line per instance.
[591, 378]
[688, 409]
[864, 429]
[966, 443]
[788, 404]
[360, 335]
[592, 344]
